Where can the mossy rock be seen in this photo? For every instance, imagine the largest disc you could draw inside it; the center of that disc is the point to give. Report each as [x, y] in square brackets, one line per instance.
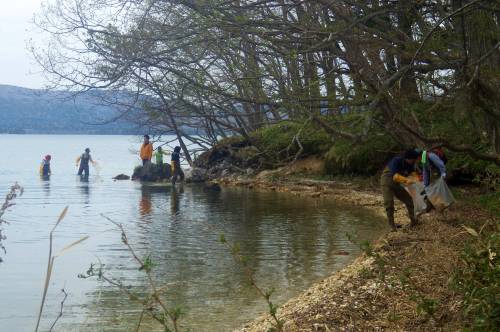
[152, 172]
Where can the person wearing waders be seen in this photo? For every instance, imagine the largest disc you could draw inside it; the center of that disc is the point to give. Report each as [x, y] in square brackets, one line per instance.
[45, 171]
[83, 161]
[395, 175]
[176, 165]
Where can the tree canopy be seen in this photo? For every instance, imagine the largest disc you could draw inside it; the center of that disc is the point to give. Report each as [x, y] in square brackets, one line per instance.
[424, 72]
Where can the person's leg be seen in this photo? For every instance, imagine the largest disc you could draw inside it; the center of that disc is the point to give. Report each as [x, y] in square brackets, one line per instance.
[87, 171]
[80, 170]
[388, 195]
[174, 177]
[181, 174]
[405, 197]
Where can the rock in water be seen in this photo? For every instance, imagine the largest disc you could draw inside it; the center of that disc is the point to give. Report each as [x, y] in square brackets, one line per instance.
[152, 172]
[121, 177]
[196, 175]
[215, 187]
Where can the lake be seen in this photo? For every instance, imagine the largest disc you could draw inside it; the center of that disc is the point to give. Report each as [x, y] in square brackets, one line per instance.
[291, 241]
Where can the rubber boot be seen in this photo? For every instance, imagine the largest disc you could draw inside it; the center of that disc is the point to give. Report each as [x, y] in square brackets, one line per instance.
[413, 220]
[390, 219]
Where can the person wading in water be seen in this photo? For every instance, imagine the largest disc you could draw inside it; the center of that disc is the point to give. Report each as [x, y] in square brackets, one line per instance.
[176, 165]
[83, 161]
[45, 171]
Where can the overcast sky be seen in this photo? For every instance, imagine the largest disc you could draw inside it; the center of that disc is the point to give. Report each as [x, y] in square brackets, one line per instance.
[16, 64]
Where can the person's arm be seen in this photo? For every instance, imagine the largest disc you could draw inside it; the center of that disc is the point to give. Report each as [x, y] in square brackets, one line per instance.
[438, 163]
[394, 168]
[402, 179]
[426, 174]
[92, 160]
[78, 160]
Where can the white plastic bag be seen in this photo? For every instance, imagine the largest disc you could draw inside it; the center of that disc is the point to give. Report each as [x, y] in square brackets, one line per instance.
[415, 191]
[440, 195]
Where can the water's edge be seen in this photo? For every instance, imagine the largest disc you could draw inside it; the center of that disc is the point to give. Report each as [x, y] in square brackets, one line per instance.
[335, 191]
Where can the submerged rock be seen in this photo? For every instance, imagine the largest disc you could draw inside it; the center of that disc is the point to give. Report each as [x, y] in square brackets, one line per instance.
[121, 177]
[210, 186]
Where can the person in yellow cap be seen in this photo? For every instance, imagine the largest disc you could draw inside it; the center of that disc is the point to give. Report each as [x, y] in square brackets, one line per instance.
[395, 175]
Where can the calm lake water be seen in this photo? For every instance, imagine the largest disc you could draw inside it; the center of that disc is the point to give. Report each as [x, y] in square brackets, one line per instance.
[292, 241]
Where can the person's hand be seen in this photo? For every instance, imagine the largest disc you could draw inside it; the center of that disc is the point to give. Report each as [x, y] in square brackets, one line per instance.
[409, 181]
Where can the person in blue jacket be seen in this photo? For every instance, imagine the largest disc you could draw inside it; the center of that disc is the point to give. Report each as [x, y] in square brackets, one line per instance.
[430, 160]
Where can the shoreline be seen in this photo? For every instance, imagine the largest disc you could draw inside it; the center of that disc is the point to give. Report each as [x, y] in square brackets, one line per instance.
[356, 297]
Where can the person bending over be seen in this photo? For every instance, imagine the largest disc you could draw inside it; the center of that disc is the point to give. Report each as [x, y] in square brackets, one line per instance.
[430, 160]
[396, 174]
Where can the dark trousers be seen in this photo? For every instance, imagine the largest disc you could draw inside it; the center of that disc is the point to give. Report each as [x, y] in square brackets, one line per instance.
[45, 170]
[177, 173]
[145, 161]
[391, 189]
[83, 169]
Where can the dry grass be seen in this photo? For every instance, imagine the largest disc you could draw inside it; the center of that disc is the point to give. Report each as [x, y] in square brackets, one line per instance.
[15, 191]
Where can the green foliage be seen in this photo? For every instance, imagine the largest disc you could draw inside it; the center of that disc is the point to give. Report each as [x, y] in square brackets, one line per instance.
[231, 140]
[147, 264]
[478, 279]
[362, 159]
[277, 141]
[490, 202]
[425, 305]
[480, 171]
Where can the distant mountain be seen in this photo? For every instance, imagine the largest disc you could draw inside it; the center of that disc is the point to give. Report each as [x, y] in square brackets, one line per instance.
[28, 111]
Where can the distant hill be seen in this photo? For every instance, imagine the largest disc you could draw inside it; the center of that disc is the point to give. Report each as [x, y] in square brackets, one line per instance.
[28, 111]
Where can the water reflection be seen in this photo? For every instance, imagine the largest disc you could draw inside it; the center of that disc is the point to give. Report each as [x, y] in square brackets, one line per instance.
[175, 197]
[45, 180]
[290, 242]
[145, 204]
